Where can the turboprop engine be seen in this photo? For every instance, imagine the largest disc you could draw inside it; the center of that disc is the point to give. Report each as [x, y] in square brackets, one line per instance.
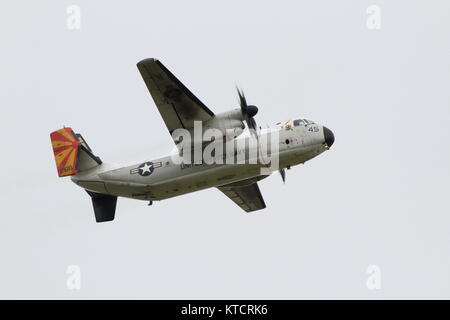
[229, 123]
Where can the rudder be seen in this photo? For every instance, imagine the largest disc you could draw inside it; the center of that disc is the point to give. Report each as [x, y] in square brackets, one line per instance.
[65, 149]
[71, 152]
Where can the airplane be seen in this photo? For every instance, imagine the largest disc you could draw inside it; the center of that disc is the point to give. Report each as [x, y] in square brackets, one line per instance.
[296, 141]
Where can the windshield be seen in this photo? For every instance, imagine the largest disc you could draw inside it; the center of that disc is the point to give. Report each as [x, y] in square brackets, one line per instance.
[302, 122]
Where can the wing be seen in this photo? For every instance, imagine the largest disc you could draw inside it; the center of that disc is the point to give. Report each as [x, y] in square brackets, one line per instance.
[178, 106]
[248, 197]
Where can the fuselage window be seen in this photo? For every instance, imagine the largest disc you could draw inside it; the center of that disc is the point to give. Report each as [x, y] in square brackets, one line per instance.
[298, 122]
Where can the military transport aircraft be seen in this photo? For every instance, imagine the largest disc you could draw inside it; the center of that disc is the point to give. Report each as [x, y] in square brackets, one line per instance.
[296, 141]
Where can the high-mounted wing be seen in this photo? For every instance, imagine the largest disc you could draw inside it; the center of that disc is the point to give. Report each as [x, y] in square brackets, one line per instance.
[248, 197]
[178, 106]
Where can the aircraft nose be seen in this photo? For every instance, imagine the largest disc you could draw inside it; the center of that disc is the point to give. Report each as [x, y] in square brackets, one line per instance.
[329, 136]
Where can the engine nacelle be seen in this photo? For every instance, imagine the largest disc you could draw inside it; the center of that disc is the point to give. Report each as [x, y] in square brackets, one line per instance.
[230, 123]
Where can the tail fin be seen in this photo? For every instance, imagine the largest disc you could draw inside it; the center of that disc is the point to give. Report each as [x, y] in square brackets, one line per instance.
[104, 206]
[72, 153]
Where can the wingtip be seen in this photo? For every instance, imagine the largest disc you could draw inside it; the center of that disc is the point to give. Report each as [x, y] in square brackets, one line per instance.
[147, 60]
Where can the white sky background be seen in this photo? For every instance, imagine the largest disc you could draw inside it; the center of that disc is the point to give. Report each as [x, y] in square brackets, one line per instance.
[378, 197]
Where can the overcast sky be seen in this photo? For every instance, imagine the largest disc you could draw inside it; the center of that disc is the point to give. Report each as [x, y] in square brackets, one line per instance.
[379, 197]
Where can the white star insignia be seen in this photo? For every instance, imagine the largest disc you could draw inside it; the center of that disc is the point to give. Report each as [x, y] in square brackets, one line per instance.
[145, 168]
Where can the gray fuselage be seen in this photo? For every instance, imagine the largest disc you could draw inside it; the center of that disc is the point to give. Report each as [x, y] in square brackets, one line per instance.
[295, 143]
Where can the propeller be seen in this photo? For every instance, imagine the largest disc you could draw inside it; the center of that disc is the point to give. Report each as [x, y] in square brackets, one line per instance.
[283, 174]
[248, 112]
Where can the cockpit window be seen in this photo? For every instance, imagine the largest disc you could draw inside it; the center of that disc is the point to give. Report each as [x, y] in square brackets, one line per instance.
[299, 122]
[303, 122]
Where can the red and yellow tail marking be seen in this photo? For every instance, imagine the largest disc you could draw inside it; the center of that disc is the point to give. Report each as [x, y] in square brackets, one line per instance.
[65, 149]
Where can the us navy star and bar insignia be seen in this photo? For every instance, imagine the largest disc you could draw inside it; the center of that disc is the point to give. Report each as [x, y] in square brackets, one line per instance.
[146, 168]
